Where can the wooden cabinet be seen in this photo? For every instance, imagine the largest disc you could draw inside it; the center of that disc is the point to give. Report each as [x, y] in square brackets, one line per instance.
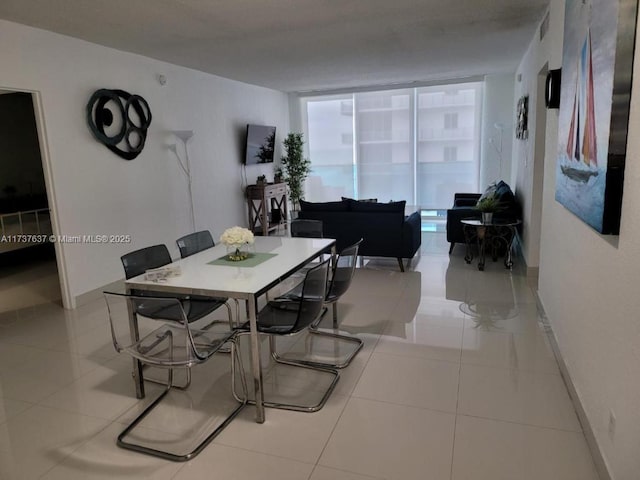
[267, 207]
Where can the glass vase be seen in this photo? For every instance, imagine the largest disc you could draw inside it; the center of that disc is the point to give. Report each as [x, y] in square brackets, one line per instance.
[238, 252]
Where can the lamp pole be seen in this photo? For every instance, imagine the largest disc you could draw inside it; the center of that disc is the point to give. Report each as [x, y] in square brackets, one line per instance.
[185, 135]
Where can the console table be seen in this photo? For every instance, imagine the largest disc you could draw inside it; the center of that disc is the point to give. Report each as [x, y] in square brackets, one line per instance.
[498, 233]
[262, 201]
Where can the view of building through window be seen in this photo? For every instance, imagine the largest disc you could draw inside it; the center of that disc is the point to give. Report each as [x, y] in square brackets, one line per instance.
[420, 144]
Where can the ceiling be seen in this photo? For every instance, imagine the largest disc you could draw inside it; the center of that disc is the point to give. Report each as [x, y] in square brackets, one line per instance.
[303, 45]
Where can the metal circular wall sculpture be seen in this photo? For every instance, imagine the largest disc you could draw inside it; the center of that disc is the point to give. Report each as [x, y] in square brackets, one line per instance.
[110, 115]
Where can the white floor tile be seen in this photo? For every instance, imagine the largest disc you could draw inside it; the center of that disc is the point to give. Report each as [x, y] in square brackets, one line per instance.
[516, 396]
[493, 450]
[295, 435]
[34, 441]
[529, 352]
[410, 381]
[324, 473]
[10, 408]
[416, 339]
[219, 461]
[101, 459]
[105, 392]
[391, 441]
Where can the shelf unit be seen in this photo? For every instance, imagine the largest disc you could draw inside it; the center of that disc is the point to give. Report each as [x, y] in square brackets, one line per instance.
[262, 201]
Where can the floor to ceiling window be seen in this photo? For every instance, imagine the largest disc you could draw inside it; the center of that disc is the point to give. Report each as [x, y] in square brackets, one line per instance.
[420, 144]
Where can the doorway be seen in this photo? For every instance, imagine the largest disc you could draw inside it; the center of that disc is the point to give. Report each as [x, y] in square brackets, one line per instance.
[29, 273]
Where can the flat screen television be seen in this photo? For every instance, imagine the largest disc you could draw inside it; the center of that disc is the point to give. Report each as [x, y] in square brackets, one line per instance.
[261, 140]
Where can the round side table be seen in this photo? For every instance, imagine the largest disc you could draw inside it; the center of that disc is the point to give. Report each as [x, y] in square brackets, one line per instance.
[499, 233]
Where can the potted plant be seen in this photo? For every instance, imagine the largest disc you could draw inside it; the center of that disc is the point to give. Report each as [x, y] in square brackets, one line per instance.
[487, 206]
[261, 180]
[278, 174]
[296, 167]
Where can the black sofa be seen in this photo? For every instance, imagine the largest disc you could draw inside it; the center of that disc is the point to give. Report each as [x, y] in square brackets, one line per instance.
[385, 229]
[464, 207]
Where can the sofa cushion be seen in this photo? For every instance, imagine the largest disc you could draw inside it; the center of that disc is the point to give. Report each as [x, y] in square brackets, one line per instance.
[324, 206]
[369, 200]
[378, 207]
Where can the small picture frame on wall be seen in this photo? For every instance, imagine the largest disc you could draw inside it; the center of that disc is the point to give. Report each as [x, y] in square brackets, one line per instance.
[521, 118]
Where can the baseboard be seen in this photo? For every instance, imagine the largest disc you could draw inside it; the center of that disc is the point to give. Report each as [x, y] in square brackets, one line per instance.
[592, 443]
[93, 295]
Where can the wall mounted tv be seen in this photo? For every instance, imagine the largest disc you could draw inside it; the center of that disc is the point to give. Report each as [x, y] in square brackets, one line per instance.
[261, 141]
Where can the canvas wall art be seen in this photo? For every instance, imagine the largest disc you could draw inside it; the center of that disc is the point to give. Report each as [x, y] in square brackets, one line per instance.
[597, 63]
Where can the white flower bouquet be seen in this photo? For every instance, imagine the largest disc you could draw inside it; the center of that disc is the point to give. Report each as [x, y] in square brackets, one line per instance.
[237, 238]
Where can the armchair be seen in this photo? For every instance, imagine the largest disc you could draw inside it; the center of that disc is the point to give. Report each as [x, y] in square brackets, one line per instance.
[463, 207]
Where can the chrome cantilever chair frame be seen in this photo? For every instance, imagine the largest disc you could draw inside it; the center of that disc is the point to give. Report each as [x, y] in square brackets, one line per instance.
[307, 310]
[337, 286]
[158, 349]
[137, 262]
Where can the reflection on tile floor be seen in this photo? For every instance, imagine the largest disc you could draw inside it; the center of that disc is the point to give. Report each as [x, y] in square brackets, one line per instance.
[456, 381]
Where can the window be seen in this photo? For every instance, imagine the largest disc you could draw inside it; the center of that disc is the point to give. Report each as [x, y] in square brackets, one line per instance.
[417, 144]
[450, 121]
[450, 154]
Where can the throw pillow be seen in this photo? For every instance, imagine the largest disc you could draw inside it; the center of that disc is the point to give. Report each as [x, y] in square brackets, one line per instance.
[368, 200]
[489, 192]
[378, 207]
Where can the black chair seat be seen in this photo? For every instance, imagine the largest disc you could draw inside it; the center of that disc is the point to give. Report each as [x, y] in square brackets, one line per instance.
[277, 321]
[195, 307]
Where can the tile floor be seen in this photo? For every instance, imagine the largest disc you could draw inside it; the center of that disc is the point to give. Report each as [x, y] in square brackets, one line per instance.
[456, 381]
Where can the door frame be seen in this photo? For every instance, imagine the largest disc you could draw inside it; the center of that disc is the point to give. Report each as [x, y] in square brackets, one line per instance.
[68, 301]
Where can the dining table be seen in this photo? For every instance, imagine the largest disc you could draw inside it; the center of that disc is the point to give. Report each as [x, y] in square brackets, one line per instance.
[212, 273]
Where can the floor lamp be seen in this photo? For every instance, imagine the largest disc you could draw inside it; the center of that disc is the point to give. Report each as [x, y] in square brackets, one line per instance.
[185, 166]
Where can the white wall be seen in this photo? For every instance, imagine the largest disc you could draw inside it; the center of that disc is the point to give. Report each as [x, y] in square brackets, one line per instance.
[528, 158]
[588, 283]
[497, 110]
[97, 192]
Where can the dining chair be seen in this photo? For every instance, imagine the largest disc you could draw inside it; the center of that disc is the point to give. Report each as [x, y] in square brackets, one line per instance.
[302, 227]
[195, 307]
[168, 344]
[277, 322]
[306, 228]
[194, 243]
[197, 242]
[339, 281]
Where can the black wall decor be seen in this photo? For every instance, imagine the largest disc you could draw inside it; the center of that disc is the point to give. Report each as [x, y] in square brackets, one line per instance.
[552, 89]
[130, 132]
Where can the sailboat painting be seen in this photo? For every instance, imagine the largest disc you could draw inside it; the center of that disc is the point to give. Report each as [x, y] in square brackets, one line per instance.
[590, 164]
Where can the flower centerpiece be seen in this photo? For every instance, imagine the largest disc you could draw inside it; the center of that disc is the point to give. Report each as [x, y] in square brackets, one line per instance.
[237, 239]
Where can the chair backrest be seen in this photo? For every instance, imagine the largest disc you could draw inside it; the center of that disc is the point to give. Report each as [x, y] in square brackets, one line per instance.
[314, 289]
[342, 272]
[301, 227]
[194, 243]
[164, 343]
[137, 262]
